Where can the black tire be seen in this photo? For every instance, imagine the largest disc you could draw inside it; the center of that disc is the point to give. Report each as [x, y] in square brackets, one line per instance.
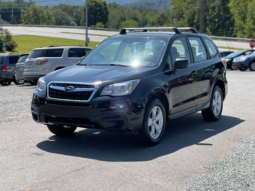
[242, 69]
[144, 133]
[18, 82]
[232, 68]
[209, 114]
[252, 68]
[6, 83]
[61, 130]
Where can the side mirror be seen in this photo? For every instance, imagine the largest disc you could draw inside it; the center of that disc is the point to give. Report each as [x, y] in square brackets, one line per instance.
[180, 63]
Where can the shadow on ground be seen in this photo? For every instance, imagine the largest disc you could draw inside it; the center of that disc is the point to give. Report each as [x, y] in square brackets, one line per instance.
[112, 146]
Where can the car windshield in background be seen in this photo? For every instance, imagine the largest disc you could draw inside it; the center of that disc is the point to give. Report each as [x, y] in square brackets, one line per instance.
[127, 52]
[22, 59]
[1, 60]
[56, 53]
[236, 53]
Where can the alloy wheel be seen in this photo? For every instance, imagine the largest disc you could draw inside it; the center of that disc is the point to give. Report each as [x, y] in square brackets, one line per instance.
[156, 122]
[19, 81]
[253, 66]
[217, 103]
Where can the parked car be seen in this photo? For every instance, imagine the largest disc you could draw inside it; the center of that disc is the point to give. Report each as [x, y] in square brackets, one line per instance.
[245, 62]
[229, 59]
[7, 68]
[225, 53]
[42, 61]
[132, 82]
[20, 69]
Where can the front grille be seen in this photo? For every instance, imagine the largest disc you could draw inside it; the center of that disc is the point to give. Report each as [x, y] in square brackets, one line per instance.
[59, 94]
[74, 85]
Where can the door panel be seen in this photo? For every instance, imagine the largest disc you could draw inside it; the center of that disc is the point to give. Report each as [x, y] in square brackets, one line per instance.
[183, 86]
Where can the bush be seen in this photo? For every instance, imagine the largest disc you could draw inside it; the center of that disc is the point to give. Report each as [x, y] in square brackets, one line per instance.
[9, 43]
[128, 23]
[100, 25]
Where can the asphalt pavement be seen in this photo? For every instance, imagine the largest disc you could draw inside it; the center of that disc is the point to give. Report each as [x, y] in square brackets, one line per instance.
[31, 158]
[78, 35]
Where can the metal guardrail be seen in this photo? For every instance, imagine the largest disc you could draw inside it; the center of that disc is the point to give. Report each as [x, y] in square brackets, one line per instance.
[61, 26]
[107, 29]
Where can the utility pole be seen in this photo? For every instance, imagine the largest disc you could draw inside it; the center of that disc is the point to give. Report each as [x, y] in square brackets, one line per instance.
[201, 16]
[86, 15]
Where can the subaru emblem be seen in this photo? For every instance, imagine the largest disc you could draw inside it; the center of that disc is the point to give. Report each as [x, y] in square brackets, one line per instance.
[69, 89]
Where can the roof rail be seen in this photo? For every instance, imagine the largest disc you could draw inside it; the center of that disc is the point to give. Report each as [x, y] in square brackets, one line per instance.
[62, 45]
[132, 30]
[188, 29]
[176, 30]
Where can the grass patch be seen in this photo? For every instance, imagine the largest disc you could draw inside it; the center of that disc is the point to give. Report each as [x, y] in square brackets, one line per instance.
[26, 43]
[88, 34]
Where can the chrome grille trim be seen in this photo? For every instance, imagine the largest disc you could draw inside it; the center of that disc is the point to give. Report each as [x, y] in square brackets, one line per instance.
[76, 90]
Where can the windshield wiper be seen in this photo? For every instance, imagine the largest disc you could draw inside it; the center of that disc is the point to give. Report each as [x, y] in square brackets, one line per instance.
[119, 65]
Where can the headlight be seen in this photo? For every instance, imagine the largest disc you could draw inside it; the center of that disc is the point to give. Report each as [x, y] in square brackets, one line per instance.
[120, 89]
[227, 60]
[243, 58]
[41, 85]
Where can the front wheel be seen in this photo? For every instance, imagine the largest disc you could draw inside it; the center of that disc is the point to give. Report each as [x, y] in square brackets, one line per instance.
[61, 130]
[233, 67]
[154, 123]
[16, 81]
[213, 113]
[6, 83]
[242, 69]
[252, 66]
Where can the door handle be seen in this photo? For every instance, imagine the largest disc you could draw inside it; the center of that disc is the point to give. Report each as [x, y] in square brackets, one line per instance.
[193, 74]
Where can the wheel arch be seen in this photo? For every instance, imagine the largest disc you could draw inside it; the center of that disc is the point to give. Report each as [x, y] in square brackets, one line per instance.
[221, 84]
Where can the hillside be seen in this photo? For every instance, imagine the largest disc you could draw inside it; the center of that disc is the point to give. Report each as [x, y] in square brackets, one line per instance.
[156, 4]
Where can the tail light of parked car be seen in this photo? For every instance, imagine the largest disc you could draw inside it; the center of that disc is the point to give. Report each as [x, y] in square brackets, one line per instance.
[41, 62]
[15, 66]
[224, 61]
[4, 68]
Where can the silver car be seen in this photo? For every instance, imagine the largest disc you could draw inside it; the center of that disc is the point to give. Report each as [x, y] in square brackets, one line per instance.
[42, 61]
[20, 68]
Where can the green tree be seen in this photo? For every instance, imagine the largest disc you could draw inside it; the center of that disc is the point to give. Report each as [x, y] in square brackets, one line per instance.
[161, 19]
[61, 18]
[35, 15]
[128, 23]
[97, 12]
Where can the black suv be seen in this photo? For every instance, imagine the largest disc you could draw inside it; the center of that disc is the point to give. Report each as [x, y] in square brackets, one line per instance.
[135, 81]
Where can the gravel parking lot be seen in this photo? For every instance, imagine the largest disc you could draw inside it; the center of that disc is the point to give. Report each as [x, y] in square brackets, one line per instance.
[193, 155]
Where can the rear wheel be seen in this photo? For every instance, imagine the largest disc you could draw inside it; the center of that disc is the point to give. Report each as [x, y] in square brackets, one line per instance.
[61, 130]
[242, 69]
[252, 66]
[16, 81]
[154, 123]
[213, 113]
[6, 83]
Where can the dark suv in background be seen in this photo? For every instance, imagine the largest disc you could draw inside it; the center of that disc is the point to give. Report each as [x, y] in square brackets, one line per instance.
[135, 82]
[7, 68]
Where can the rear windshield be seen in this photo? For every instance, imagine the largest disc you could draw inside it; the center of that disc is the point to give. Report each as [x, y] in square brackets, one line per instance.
[52, 53]
[22, 58]
[1, 60]
[13, 59]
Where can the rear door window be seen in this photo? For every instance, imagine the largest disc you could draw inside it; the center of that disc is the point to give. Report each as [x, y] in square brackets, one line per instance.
[13, 59]
[51, 53]
[198, 49]
[76, 52]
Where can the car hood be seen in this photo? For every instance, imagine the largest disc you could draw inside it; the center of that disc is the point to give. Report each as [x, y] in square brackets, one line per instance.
[92, 74]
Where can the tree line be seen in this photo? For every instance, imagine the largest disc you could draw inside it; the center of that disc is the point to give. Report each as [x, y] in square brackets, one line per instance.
[220, 18]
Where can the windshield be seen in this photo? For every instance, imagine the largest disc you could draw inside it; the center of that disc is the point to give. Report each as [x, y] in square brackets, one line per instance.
[236, 53]
[46, 53]
[22, 58]
[127, 52]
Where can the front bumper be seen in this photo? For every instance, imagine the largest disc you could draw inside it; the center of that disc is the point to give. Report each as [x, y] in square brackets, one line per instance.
[116, 114]
[5, 76]
[241, 64]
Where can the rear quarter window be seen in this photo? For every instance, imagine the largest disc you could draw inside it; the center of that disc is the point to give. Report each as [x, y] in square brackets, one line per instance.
[211, 48]
[13, 59]
[1, 60]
